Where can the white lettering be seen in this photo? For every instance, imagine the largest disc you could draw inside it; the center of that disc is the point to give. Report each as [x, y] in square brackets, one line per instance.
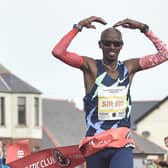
[42, 163]
[20, 153]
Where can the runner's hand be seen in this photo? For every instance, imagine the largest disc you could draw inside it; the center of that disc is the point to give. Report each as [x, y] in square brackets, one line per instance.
[129, 23]
[88, 22]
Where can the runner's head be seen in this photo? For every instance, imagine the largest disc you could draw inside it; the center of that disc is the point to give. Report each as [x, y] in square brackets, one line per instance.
[166, 141]
[111, 43]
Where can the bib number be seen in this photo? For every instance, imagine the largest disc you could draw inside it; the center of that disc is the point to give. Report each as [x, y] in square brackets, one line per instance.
[112, 103]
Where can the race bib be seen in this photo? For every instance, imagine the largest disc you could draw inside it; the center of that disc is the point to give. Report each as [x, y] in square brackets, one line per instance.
[112, 103]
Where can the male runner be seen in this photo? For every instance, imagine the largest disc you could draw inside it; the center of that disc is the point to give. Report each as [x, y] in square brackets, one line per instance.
[107, 81]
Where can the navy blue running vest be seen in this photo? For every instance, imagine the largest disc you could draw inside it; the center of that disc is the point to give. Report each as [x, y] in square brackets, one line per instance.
[94, 125]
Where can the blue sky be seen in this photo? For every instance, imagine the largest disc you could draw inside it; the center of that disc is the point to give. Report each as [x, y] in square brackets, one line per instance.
[30, 29]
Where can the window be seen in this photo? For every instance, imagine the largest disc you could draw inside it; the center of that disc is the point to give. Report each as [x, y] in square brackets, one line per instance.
[36, 111]
[2, 111]
[21, 110]
[146, 134]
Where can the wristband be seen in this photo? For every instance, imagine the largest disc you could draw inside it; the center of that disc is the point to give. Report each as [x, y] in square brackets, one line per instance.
[144, 29]
[78, 27]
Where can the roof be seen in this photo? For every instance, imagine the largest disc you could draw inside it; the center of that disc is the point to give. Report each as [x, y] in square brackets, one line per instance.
[9, 83]
[144, 146]
[63, 121]
[155, 106]
[64, 125]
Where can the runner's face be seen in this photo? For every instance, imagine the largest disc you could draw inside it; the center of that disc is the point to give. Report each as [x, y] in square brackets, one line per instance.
[111, 44]
[166, 143]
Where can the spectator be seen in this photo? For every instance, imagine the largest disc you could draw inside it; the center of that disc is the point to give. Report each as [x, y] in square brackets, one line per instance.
[163, 163]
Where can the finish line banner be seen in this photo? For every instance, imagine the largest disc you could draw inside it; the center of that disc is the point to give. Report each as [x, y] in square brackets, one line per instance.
[68, 156]
[17, 150]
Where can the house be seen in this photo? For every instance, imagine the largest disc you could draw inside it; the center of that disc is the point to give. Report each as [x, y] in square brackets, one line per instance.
[20, 110]
[153, 123]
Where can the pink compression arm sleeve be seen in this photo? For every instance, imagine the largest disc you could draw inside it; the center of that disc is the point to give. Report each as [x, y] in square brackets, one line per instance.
[155, 59]
[60, 50]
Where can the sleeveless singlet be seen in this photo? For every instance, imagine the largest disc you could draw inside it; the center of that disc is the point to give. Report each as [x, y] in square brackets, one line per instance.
[94, 125]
